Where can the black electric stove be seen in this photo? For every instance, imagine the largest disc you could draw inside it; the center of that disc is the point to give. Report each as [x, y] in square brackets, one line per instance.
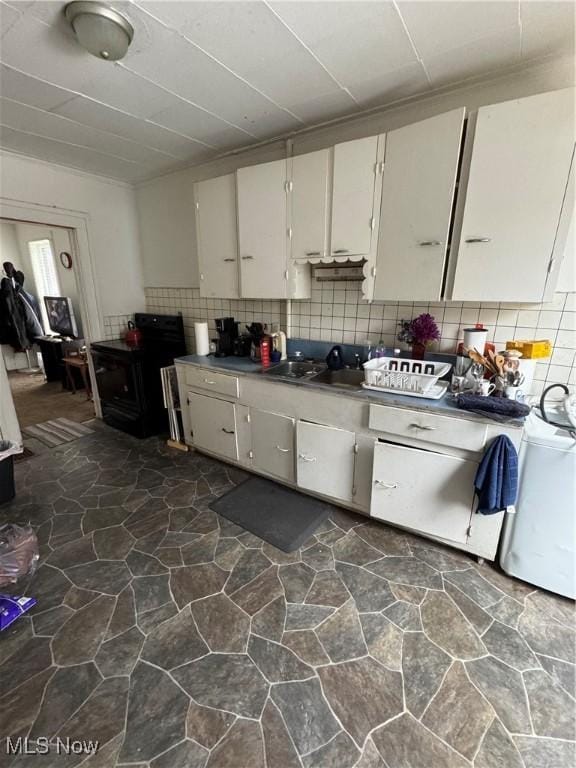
[128, 378]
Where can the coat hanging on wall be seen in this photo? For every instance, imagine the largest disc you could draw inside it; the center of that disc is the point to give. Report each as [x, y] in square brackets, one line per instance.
[19, 323]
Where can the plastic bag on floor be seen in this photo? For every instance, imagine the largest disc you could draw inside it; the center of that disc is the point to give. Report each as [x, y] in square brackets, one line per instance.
[18, 553]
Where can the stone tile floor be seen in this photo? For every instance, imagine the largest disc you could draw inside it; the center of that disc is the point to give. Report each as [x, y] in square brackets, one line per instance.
[178, 640]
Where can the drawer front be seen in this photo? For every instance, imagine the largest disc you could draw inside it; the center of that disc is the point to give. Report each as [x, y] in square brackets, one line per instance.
[213, 425]
[211, 381]
[429, 427]
[425, 491]
[273, 444]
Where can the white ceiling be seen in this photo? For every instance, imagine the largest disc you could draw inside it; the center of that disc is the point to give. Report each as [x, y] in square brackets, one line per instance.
[202, 78]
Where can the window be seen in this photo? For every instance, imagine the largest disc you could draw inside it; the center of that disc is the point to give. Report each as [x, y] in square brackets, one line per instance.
[45, 274]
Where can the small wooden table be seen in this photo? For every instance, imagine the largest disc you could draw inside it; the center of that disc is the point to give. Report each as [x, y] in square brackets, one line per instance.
[82, 365]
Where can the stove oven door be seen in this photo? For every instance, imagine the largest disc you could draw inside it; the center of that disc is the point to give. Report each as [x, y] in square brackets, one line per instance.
[117, 377]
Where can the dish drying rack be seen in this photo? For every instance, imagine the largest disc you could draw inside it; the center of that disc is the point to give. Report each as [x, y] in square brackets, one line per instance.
[416, 378]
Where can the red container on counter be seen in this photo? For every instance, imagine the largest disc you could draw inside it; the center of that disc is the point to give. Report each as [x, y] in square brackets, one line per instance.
[265, 345]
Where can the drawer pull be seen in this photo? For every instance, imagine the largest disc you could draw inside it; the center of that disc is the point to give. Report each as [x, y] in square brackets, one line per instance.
[425, 243]
[306, 458]
[382, 484]
[247, 258]
[229, 259]
[478, 239]
[312, 253]
[282, 450]
[209, 381]
[341, 250]
[423, 427]
[228, 431]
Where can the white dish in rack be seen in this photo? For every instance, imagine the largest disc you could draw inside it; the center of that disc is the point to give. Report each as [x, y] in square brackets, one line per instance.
[435, 392]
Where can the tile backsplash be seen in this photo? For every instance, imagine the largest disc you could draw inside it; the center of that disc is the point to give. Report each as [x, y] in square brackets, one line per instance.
[195, 309]
[115, 326]
[337, 313]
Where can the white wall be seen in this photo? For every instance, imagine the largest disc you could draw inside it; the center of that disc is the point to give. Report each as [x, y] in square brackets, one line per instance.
[165, 204]
[9, 249]
[112, 222]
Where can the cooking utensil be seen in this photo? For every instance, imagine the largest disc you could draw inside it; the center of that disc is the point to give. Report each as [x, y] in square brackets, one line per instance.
[486, 363]
[477, 358]
[499, 361]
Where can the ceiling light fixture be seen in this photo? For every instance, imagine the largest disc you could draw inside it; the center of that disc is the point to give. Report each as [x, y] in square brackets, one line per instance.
[100, 29]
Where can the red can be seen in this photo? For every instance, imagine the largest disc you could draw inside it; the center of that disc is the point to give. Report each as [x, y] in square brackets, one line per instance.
[265, 344]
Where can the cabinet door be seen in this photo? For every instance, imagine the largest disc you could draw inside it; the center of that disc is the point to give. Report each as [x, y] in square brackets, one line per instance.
[309, 201]
[353, 196]
[262, 231]
[325, 460]
[273, 444]
[213, 425]
[425, 491]
[519, 166]
[418, 189]
[217, 236]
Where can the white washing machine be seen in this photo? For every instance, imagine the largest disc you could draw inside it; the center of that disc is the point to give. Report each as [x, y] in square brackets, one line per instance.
[539, 539]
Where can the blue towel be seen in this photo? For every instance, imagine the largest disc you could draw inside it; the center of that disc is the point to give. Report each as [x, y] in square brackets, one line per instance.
[496, 480]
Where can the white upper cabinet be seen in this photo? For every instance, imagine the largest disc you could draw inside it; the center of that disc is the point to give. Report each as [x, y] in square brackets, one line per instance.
[217, 236]
[262, 230]
[353, 222]
[511, 200]
[418, 188]
[310, 204]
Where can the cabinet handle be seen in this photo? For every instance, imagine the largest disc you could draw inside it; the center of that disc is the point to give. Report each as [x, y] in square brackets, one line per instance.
[246, 258]
[306, 458]
[228, 431]
[229, 259]
[382, 484]
[478, 239]
[312, 253]
[341, 250]
[423, 426]
[209, 381]
[282, 450]
[425, 243]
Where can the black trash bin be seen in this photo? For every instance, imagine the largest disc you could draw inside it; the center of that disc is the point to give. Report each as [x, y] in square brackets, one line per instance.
[7, 489]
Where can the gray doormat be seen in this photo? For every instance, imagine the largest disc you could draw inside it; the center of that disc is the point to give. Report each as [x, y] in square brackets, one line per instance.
[57, 431]
[280, 516]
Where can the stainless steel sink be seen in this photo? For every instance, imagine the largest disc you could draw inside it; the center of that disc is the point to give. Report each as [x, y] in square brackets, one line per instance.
[294, 369]
[345, 378]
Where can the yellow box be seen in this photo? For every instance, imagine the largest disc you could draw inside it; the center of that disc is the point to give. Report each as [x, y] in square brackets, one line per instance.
[531, 349]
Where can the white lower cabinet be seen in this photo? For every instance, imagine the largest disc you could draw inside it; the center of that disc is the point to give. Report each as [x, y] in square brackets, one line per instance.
[272, 444]
[395, 464]
[325, 460]
[213, 425]
[422, 490]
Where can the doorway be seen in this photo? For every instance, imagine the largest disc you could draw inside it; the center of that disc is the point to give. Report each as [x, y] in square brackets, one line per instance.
[48, 371]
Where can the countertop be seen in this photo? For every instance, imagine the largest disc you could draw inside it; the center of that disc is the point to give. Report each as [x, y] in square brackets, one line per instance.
[244, 366]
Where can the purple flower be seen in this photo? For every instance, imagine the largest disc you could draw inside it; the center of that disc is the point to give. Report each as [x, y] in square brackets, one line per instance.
[424, 329]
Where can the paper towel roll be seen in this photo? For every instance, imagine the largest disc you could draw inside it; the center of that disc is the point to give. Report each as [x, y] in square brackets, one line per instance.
[202, 339]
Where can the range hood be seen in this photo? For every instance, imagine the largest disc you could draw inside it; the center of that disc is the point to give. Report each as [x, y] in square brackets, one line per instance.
[348, 270]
